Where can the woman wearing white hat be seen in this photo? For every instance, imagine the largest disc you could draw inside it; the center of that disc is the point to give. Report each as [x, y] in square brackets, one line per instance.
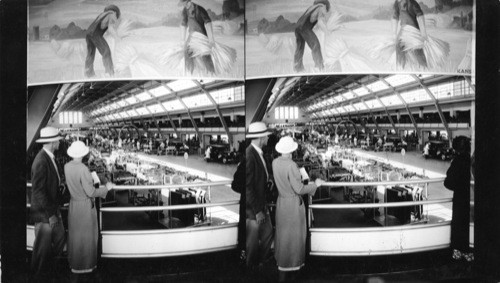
[82, 218]
[290, 239]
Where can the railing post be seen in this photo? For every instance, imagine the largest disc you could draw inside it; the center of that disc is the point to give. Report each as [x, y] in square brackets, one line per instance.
[426, 198]
[210, 200]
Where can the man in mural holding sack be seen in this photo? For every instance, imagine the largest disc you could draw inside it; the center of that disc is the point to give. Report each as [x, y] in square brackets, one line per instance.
[196, 19]
[316, 14]
[106, 21]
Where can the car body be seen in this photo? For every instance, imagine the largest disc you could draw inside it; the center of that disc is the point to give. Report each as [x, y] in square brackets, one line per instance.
[222, 153]
[439, 149]
[397, 143]
[176, 148]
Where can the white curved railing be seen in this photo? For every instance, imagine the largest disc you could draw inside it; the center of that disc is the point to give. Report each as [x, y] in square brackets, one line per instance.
[324, 241]
[164, 242]
[169, 242]
[358, 241]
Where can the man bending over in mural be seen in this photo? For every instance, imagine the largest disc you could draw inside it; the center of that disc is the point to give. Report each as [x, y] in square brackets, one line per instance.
[196, 19]
[106, 21]
[316, 14]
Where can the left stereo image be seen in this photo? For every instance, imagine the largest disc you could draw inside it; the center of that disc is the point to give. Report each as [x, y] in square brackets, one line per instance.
[134, 177]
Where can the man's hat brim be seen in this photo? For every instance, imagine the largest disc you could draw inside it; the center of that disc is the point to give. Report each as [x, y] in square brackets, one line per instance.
[48, 140]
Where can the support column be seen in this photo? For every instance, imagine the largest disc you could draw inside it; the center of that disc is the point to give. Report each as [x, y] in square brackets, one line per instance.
[371, 114]
[438, 107]
[185, 107]
[219, 113]
[385, 107]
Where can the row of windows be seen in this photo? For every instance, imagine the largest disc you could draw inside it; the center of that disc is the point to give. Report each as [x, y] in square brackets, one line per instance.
[70, 117]
[286, 112]
[146, 95]
[390, 81]
[440, 91]
[222, 96]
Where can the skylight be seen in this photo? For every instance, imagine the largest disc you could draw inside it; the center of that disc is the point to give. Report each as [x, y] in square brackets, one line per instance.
[359, 106]
[132, 113]
[415, 95]
[349, 108]
[397, 80]
[155, 108]
[391, 100]
[131, 100]
[361, 91]
[374, 103]
[173, 105]
[159, 91]
[113, 106]
[348, 95]
[377, 86]
[122, 103]
[142, 111]
[195, 101]
[143, 96]
[180, 85]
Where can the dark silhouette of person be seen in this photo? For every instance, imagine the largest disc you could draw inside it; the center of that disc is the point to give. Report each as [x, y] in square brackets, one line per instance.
[458, 180]
[304, 34]
[107, 20]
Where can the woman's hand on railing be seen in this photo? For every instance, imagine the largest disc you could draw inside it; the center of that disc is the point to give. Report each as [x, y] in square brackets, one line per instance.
[110, 186]
[319, 182]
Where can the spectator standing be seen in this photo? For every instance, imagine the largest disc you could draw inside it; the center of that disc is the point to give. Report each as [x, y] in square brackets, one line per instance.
[44, 210]
[458, 180]
[259, 230]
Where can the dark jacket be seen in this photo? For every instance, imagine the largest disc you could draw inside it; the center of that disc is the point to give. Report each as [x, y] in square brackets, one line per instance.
[407, 12]
[95, 27]
[45, 188]
[458, 180]
[304, 22]
[238, 185]
[256, 181]
[195, 19]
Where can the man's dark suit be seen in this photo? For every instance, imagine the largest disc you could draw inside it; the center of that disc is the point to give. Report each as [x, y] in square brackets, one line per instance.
[49, 241]
[256, 180]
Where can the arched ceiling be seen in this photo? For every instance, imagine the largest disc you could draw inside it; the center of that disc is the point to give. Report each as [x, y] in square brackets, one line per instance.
[113, 101]
[332, 96]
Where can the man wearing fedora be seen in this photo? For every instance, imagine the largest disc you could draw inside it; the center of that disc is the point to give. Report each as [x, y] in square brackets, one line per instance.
[49, 229]
[195, 18]
[259, 229]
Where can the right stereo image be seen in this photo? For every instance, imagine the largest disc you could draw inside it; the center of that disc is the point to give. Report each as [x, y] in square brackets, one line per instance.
[358, 174]
[360, 139]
